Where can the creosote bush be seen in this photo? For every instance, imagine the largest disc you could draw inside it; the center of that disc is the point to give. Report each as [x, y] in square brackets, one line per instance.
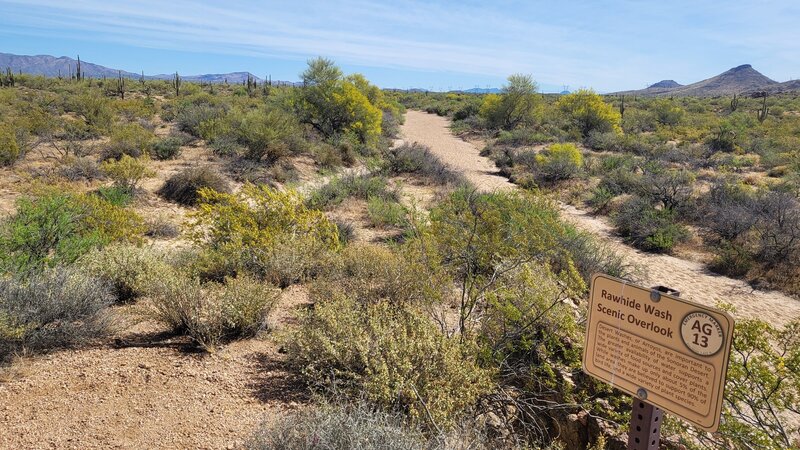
[648, 227]
[359, 426]
[127, 268]
[392, 355]
[267, 232]
[339, 427]
[57, 308]
[363, 187]
[183, 187]
[417, 159]
[166, 148]
[9, 149]
[210, 313]
[127, 172]
[128, 139]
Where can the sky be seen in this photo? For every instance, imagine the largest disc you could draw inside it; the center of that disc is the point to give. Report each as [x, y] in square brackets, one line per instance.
[437, 45]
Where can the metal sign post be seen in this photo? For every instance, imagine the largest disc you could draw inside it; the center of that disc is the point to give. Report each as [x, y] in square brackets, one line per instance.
[644, 428]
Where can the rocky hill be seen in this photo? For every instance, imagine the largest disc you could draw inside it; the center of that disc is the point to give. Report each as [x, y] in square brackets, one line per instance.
[741, 79]
[51, 66]
[665, 84]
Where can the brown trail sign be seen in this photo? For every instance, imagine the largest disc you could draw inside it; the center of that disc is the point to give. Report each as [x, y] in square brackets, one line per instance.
[657, 347]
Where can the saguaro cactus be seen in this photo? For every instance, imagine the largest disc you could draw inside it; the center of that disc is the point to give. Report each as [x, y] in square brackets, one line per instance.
[734, 103]
[250, 85]
[763, 110]
[121, 85]
[176, 83]
[78, 73]
[622, 107]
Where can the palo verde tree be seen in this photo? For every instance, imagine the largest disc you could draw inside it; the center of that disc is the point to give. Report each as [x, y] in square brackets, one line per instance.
[518, 104]
[334, 105]
[587, 111]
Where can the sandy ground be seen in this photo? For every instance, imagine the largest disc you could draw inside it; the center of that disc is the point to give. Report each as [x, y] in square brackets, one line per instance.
[434, 131]
[149, 391]
[691, 278]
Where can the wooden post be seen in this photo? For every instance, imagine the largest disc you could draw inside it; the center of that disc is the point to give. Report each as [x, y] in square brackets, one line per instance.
[644, 429]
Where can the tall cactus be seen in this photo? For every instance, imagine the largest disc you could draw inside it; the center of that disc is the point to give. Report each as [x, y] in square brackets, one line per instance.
[78, 73]
[176, 83]
[250, 85]
[734, 103]
[622, 107]
[763, 110]
[121, 85]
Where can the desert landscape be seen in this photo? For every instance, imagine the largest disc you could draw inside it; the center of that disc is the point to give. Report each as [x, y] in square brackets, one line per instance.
[331, 259]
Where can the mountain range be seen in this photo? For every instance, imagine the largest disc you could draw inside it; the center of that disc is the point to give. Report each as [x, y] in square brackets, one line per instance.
[51, 66]
[742, 79]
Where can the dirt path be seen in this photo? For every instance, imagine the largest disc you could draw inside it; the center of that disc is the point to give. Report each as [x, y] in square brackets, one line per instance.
[691, 278]
[434, 131]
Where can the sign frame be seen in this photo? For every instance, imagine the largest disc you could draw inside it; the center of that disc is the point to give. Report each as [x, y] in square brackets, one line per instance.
[718, 324]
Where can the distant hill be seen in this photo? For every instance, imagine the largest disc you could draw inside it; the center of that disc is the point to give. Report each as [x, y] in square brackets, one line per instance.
[741, 79]
[788, 86]
[51, 66]
[232, 78]
[665, 84]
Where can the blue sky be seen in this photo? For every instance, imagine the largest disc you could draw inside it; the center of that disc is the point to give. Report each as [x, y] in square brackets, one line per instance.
[605, 45]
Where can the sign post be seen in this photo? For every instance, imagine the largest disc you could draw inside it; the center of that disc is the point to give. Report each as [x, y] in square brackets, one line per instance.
[669, 353]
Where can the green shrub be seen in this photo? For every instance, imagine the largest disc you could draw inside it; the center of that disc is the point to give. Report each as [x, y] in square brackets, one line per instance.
[95, 110]
[58, 228]
[359, 426]
[647, 227]
[591, 255]
[128, 139]
[162, 227]
[269, 134]
[474, 237]
[227, 146]
[166, 148]
[347, 231]
[264, 231]
[357, 186]
[600, 199]
[522, 137]
[9, 150]
[127, 172]
[391, 355]
[128, 269]
[116, 195]
[382, 212]
[210, 313]
[80, 168]
[370, 273]
[183, 187]
[417, 159]
[667, 113]
[58, 308]
[558, 162]
[763, 385]
[335, 105]
[195, 110]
